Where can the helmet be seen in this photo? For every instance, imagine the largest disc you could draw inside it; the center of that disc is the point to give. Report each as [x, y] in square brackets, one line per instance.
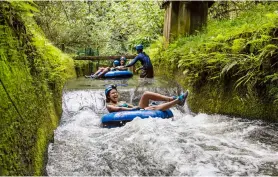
[109, 88]
[123, 58]
[116, 62]
[139, 47]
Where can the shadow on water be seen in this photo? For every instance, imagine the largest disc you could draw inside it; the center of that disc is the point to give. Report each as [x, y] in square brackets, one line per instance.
[191, 145]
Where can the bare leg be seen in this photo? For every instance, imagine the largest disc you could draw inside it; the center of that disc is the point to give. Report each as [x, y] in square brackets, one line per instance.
[164, 106]
[98, 71]
[104, 71]
[144, 101]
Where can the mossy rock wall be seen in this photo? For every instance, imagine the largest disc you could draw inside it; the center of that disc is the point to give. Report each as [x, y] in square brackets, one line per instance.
[32, 75]
[84, 67]
[223, 98]
[216, 99]
[88, 67]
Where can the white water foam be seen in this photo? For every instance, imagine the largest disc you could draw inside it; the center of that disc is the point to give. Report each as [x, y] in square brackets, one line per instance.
[200, 145]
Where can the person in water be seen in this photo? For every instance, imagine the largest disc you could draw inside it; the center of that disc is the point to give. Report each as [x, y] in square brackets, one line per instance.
[103, 70]
[147, 67]
[117, 65]
[114, 105]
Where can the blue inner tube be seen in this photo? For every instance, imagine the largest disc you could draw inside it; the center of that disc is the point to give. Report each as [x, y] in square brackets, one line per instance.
[118, 119]
[118, 74]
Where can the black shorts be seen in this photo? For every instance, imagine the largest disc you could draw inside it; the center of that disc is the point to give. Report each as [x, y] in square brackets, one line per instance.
[147, 73]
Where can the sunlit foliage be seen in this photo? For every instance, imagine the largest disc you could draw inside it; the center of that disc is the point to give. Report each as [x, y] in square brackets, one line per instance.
[113, 27]
[240, 51]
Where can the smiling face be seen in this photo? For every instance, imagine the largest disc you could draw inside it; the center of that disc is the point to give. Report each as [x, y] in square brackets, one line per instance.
[113, 96]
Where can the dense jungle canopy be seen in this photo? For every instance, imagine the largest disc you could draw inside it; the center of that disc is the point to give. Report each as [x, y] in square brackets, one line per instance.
[114, 26]
[109, 26]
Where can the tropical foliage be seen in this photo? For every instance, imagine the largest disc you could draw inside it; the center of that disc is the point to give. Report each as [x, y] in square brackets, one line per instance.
[241, 52]
[112, 27]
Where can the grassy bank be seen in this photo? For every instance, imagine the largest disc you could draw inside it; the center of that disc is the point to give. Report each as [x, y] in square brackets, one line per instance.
[230, 68]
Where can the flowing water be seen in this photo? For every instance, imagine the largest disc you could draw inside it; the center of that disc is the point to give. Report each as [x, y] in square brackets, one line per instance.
[187, 145]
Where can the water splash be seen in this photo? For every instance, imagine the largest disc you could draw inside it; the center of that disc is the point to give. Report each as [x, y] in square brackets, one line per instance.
[189, 145]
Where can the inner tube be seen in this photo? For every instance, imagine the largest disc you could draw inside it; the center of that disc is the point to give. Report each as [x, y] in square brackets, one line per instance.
[118, 119]
[118, 74]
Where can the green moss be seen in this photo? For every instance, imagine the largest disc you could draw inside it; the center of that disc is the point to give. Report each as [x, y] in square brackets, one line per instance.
[40, 149]
[211, 99]
[84, 67]
[219, 98]
[32, 74]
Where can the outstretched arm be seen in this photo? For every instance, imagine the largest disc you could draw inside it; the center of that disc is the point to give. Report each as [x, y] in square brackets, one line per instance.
[133, 61]
[121, 68]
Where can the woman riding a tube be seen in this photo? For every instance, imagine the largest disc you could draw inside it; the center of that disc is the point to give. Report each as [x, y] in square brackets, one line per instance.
[114, 105]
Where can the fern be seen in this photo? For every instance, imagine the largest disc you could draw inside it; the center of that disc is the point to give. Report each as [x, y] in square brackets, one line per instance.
[228, 67]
